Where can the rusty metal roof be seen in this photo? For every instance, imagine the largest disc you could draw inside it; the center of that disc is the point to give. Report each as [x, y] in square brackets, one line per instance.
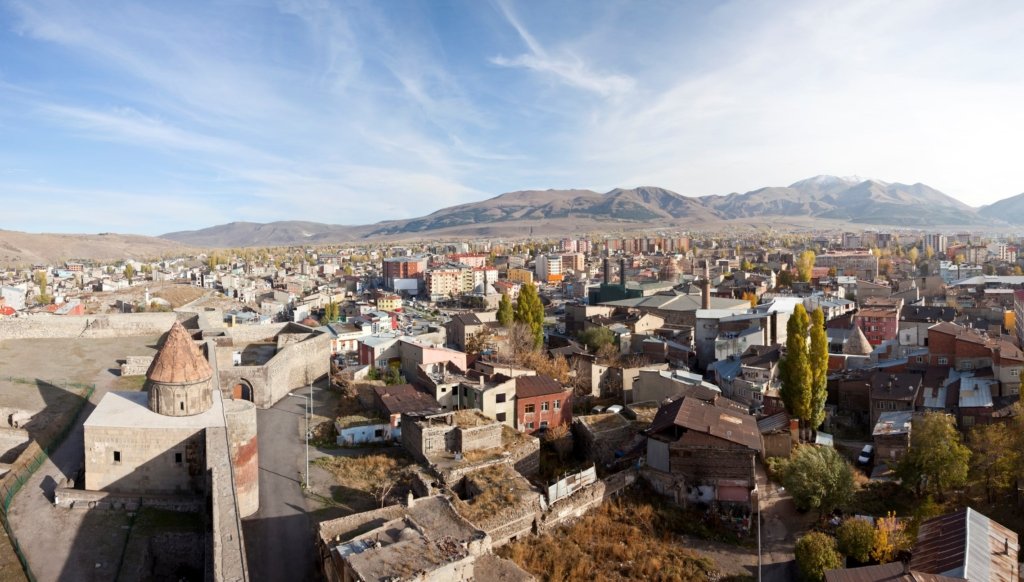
[531, 386]
[968, 545]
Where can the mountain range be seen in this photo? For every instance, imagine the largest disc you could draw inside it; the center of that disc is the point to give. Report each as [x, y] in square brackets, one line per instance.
[821, 200]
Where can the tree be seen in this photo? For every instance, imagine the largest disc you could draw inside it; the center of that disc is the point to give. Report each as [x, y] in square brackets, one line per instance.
[995, 457]
[596, 338]
[746, 265]
[890, 539]
[929, 252]
[937, 460]
[785, 279]
[751, 297]
[856, 538]
[805, 265]
[479, 341]
[129, 272]
[818, 478]
[795, 369]
[530, 311]
[913, 254]
[818, 357]
[959, 259]
[42, 297]
[815, 554]
[332, 311]
[505, 314]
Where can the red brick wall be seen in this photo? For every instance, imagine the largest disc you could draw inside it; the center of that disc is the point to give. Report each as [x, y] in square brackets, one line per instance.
[553, 417]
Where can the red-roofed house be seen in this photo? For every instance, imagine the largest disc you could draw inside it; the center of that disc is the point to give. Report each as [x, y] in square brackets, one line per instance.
[541, 403]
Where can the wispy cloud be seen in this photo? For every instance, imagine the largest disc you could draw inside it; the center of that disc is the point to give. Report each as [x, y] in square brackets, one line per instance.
[564, 66]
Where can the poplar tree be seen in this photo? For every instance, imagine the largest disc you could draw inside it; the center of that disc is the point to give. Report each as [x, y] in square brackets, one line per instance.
[530, 311]
[505, 315]
[795, 371]
[818, 356]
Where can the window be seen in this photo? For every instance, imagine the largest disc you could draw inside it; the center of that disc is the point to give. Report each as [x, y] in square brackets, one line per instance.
[500, 417]
[558, 404]
[443, 390]
[181, 406]
[942, 360]
[499, 398]
[920, 359]
[528, 409]
[379, 433]
[117, 456]
[544, 406]
[543, 424]
[177, 458]
[529, 425]
[967, 365]
[1014, 372]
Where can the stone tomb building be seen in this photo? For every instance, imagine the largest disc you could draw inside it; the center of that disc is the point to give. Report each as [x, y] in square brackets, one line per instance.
[168, 439]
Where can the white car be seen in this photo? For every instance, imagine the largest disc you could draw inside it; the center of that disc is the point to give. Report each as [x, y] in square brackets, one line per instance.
[866, 455]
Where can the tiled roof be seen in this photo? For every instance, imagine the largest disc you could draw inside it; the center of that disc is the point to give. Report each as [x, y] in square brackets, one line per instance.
[179, 360]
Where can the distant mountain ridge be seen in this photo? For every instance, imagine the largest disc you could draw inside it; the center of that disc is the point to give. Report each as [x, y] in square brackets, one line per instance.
[851, 200]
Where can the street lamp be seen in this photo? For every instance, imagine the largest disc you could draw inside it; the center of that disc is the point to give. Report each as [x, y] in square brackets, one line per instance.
[308, 404]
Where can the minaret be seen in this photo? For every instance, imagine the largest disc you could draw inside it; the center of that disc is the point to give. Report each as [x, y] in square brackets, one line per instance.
[705, 287]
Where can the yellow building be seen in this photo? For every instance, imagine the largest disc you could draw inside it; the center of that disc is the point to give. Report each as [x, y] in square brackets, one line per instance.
[521, 276]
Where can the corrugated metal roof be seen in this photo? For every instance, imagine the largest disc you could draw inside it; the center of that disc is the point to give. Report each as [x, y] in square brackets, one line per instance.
[966, 544]
[531, 386]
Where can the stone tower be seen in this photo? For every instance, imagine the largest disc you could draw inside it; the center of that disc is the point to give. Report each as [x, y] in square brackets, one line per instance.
[178, 380]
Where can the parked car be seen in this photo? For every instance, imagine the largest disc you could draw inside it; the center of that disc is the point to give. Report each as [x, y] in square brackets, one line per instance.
[867, 454]
[616, 408]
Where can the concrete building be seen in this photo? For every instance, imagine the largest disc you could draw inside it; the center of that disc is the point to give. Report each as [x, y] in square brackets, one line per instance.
[861, 263]
[549, 268]
[404, 274]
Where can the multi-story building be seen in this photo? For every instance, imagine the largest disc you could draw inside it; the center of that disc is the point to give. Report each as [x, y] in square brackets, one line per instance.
[878, 323]
[937, 242]
[549, 268]
[520, 275]
[404, 273]
[574, 261]
[541, 403]
[860, 264]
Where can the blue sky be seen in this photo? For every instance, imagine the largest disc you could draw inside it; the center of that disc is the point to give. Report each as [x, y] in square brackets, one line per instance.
[150, 117]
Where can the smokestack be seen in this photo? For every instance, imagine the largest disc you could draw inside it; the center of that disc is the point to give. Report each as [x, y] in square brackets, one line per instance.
[622, 271]
[607, 271]
[705, 294]
[707, 270]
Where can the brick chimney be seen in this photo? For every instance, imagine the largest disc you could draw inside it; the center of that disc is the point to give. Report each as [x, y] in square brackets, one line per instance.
[607, 271]
[622, 271]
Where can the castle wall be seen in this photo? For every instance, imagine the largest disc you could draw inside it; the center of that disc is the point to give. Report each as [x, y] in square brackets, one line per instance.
[91, 326]
[240, 417]
[227, 560]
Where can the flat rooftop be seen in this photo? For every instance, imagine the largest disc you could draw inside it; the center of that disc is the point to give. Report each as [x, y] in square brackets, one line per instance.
[131, 410]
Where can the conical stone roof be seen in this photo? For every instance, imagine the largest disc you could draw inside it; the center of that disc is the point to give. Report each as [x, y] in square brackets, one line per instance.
[179, 361]
[857, 344]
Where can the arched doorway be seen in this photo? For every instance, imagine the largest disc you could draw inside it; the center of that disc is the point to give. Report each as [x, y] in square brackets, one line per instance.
[242, 391]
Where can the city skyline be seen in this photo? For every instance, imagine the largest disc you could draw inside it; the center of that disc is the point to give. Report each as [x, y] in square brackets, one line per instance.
[146, 119]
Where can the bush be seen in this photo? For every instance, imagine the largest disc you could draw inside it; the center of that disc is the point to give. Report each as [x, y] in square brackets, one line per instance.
[815, 554]
[856, 537]
[818, 478]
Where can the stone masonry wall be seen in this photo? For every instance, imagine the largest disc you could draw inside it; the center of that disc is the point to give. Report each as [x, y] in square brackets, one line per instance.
[95, 326]
[479, 437]
[579, 503]
[136, 365]
[228, 553]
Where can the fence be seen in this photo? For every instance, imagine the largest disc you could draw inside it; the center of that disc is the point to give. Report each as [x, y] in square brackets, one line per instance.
[569, 484]
[32, 458]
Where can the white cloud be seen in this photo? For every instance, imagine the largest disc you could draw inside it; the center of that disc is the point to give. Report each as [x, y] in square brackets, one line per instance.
[568, 68]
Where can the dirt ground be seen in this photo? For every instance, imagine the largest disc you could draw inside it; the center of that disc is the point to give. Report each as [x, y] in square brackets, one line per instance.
[91, 543]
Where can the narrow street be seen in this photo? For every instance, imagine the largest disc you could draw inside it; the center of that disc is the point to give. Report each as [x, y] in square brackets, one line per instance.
[279, 537]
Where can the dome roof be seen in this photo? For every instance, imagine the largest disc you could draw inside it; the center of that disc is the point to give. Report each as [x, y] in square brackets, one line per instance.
[857, 344]
[179, 360]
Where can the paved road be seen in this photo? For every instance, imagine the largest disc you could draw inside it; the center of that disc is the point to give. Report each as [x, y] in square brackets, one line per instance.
[279, 537]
